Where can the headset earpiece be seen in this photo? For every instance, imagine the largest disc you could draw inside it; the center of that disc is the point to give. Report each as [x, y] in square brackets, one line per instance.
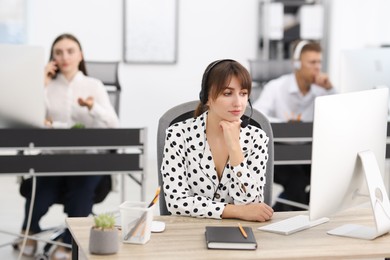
[297, 64]
[297, 54]
[203, 94]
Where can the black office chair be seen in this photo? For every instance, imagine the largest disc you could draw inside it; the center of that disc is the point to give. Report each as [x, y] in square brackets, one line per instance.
[185, 111]
[25, 190]
[108, 73]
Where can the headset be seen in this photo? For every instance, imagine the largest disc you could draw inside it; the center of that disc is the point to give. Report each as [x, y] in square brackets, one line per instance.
[297, 54]
[204, 93]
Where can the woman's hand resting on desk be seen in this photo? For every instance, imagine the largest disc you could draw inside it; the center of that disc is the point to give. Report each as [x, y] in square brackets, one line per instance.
[51, 124]
[250, 212]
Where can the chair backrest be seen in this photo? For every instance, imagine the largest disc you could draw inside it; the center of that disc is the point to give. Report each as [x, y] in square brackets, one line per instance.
[107, 72]
[263, 71]
[186, 110]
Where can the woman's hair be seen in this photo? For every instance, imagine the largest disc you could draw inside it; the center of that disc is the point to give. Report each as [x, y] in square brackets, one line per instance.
[216, 79]
[82, 66]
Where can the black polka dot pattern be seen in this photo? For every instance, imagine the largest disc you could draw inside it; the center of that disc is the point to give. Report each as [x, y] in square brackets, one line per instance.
[191, 185]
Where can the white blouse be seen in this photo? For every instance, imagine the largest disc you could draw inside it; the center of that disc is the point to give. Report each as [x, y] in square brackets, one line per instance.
[190, 181]
[63, 109]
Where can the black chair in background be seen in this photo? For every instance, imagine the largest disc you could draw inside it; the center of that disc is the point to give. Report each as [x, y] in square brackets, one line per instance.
[186, 110]
[262, 71]
[108, 73]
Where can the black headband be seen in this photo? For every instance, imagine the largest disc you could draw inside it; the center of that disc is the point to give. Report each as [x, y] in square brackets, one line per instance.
[204, 93]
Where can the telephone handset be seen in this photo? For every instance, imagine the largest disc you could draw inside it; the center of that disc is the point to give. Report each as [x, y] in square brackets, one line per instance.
[53, 76]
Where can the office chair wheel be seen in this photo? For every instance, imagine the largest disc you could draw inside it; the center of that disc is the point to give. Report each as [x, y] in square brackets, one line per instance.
[42, 257]
[15, 245]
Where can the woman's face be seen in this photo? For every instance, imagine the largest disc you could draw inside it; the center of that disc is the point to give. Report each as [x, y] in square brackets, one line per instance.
[231, 103]
[67, 55]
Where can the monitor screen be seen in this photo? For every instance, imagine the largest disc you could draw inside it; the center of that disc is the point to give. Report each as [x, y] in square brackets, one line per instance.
[364, 69]
[345, 125]
[22, 85]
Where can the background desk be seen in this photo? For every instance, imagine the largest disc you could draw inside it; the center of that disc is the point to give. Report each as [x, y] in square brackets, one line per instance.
[128, 156]
[293, 142]
[184, 238]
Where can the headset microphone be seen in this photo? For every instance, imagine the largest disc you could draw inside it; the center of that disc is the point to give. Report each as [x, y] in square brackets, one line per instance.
[246, 120]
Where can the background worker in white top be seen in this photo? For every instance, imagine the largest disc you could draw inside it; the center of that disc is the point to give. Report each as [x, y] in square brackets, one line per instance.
[291, 98]
[71, 98]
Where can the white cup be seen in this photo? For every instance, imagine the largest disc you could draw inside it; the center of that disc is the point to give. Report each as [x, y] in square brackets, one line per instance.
[136, 221]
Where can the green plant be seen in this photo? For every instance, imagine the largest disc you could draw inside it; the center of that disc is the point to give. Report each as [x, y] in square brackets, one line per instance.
[104, 221]
[78, 126]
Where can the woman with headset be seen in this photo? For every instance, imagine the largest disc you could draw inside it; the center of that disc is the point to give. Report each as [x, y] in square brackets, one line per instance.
[213, 165]
[72, 99]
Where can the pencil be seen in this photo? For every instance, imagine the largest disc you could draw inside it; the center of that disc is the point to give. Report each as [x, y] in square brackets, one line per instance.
[154, 200]
[140, 221]
[242, 231]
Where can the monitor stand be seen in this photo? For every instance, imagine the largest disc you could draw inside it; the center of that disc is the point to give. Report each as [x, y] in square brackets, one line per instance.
[379, 202]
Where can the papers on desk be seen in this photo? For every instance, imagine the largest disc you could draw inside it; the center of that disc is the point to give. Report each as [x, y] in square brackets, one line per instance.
[230, 238]
[292, 225]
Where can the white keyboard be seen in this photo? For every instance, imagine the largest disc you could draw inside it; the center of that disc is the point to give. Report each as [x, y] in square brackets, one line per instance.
[292, 225]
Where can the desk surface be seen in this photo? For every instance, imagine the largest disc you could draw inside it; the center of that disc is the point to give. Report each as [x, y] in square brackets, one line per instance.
[184, 238]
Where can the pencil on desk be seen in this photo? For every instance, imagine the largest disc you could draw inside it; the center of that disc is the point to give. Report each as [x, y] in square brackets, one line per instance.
[136, 226]
[242, 231]
[299, 117]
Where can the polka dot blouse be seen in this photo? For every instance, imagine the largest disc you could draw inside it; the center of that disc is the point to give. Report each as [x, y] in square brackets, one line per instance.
[191, 185]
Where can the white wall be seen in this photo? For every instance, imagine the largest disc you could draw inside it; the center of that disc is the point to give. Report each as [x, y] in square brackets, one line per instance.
[208, 30]
[356, 24]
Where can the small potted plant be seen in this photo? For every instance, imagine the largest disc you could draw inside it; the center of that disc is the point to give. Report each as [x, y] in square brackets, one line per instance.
[103, 238]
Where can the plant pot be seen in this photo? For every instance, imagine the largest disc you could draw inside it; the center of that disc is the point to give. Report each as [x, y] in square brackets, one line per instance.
[103, 242]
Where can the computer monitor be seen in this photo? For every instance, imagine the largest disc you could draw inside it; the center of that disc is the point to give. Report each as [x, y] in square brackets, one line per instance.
[348, 158]
[21, 86]
[364, 69]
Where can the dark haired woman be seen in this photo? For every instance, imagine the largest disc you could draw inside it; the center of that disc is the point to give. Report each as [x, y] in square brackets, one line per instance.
[213, 167]
[71, 98]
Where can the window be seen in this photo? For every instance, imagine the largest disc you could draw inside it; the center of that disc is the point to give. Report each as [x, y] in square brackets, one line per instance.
[13, 21]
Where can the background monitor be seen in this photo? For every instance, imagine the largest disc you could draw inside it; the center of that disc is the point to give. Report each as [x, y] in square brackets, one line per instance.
[22, 85]
[345, 125]
[364, 69]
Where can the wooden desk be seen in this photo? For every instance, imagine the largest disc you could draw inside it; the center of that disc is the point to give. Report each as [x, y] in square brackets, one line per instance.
[184, 238]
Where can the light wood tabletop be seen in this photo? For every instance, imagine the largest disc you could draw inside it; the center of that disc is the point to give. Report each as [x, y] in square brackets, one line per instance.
[184, 238]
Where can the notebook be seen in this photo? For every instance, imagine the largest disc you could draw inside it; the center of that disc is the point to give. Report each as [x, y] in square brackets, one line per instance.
[292, 225]
[230, 238]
